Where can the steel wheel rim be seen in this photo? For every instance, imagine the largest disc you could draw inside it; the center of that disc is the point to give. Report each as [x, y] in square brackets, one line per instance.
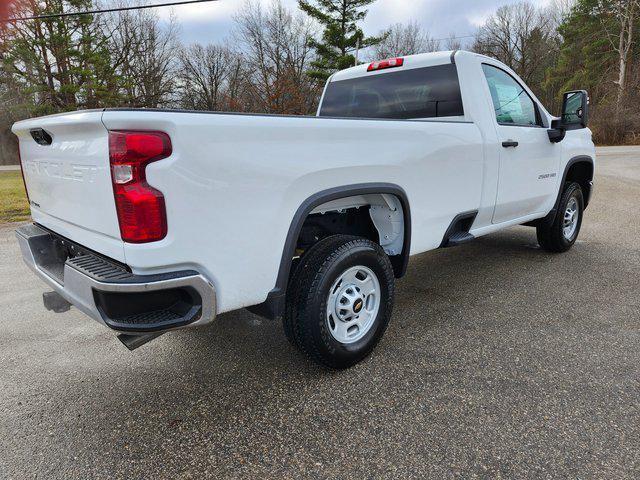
[570, 221]
[353, 304]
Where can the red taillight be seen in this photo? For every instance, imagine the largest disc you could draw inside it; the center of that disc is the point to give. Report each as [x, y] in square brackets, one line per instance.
[22, 172]
[141, 210]
[388, 63]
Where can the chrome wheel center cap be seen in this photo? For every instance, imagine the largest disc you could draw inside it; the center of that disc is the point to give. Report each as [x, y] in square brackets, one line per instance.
[349, 303]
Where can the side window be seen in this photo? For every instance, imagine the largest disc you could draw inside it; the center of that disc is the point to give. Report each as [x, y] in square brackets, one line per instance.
[512, 104]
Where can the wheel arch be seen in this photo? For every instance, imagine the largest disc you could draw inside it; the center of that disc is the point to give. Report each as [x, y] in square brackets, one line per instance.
[579, 169]
[273, 306]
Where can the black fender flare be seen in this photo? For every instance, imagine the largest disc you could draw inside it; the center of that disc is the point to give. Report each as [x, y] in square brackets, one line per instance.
[570, 163]
[273, 306]
[552, 214]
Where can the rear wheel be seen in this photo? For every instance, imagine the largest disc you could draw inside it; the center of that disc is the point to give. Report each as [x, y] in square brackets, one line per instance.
[560, 235]
[339, 300]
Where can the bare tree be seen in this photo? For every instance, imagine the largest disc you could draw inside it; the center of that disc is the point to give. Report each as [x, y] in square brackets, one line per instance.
[144, 56]
[559, 10]
[206, 74]
[277, 53]
[453, 42]
[521, 36]
[622, 15]
[237, 85]
[409, 39]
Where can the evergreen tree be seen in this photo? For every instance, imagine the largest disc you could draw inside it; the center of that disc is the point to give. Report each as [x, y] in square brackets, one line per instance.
[590, 58]
[585, 59]
[341, 34]
[59, 63]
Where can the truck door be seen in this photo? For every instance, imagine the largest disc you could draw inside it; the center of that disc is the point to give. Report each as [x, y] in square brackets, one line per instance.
[528, 160]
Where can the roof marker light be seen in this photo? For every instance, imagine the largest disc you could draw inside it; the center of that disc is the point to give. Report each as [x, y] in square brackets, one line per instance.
[388, 63]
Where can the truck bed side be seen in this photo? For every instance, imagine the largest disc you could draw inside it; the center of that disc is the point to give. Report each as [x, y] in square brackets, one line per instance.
[243, 177]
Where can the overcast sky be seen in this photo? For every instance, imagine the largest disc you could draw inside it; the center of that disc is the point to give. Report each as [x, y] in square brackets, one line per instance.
[210, 22]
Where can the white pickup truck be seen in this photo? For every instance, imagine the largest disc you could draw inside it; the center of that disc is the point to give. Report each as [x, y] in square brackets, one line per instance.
[152, 220]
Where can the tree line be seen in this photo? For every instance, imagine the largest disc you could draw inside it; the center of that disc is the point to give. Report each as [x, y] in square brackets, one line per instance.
[276, 60]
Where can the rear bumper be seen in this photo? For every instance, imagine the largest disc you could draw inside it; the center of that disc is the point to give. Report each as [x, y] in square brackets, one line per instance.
[109, 293]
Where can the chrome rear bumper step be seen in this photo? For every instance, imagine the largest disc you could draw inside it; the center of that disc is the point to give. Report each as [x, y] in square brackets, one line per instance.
[110, 293]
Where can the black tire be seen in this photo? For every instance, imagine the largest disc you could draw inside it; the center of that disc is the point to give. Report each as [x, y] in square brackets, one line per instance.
[550, 236]
[305, 322]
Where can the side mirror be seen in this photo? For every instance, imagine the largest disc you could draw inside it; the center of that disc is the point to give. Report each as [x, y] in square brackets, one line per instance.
[575, 115]
[575, 110]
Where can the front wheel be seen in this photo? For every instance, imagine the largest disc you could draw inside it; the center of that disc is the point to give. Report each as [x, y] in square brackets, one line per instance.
[339, 300]
[560, 235]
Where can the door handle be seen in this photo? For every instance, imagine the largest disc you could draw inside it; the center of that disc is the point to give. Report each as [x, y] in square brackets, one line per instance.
[510, 143]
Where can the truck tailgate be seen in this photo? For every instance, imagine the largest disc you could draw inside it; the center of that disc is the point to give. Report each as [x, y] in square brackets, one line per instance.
[68, 179]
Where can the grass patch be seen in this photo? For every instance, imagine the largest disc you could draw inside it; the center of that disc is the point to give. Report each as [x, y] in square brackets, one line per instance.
[13, 199]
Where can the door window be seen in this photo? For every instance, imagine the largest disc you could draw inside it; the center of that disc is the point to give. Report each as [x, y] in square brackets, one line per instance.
[512, 103]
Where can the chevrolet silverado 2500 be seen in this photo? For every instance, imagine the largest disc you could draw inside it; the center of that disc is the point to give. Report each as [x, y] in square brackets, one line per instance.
[151, 220]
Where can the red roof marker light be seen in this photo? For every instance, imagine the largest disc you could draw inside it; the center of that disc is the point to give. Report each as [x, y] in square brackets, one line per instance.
[388, 63]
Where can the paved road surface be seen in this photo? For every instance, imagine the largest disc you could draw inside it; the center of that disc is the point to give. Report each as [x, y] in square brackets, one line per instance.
[501, 360]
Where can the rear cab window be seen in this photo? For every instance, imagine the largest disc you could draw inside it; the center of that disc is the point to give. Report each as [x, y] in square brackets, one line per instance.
[428, 92]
